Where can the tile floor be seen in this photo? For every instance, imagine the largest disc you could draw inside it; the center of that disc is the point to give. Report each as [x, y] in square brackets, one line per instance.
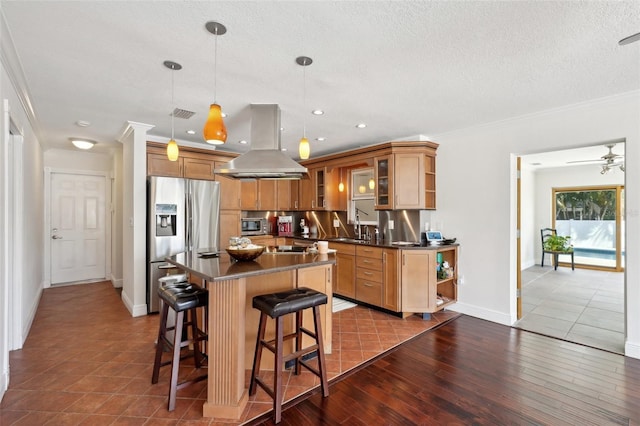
[582, 306]
[86, 361]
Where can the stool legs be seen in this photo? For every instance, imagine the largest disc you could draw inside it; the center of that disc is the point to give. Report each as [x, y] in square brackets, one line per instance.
[162, 332]
[276, 346]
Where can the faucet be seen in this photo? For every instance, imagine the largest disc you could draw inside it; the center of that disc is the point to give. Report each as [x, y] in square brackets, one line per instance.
[356, 226]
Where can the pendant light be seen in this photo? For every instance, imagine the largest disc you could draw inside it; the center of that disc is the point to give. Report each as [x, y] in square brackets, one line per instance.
[303, 148]
[372, 183]
[214, 131]
[172, 146]
[341, 185]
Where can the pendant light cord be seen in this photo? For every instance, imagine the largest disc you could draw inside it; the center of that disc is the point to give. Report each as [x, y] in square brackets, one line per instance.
[215, 67]
[304, 98]
[173, 105]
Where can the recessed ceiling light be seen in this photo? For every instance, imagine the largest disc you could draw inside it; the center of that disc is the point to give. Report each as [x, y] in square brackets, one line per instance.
[317, 112]
[82, 143]
[82, 123]
[243, 142]
[361, 125]
[282, 129]
[191, 132]
[283, 149]
[320, 139]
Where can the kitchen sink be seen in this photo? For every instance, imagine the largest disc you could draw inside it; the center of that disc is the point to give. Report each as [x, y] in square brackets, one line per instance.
[349, 240]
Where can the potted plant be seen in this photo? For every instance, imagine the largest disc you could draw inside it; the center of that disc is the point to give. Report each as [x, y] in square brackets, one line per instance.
[558, 243]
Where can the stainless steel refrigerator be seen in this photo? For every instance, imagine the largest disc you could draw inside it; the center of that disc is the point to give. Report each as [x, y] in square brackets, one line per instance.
[182, 214]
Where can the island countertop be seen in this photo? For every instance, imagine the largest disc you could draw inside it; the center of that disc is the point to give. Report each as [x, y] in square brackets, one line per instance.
[224, 267]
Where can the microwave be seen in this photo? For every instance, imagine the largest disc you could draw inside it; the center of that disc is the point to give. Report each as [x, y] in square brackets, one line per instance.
[253, 226]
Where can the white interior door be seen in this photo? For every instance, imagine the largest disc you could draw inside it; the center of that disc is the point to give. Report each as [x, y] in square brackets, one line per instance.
[78, 231]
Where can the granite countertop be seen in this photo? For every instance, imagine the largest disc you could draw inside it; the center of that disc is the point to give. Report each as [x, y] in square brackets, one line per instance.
[410, 245]
[223, 267]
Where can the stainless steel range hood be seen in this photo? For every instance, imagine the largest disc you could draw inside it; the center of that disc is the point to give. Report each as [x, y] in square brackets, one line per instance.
[264, 160]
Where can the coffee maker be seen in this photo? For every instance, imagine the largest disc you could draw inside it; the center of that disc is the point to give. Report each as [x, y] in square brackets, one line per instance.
[285, 226]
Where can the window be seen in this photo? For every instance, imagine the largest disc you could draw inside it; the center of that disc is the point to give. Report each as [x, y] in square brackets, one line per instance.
[362, 199]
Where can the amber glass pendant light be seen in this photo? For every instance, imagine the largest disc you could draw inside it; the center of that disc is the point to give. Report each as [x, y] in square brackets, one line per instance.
[214, 131]
[304, 149]
[172, 146]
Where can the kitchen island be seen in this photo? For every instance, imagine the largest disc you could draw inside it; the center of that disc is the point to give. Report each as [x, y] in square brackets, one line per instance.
[233, 323]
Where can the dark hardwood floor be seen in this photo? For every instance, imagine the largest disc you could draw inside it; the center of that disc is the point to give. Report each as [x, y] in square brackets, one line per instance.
[470, 371]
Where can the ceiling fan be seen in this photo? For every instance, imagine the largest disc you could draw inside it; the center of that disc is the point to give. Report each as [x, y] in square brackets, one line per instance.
[608, 161]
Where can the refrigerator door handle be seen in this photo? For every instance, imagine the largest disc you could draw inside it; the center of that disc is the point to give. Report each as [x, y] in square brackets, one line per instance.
[187, 216]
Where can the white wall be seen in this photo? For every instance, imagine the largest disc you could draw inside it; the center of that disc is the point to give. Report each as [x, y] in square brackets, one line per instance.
[547, 179]
[116, 219]
[23, 296]
[476, 197]
[74, 159]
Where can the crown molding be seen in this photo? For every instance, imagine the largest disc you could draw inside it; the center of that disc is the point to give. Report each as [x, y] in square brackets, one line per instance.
[13, 67]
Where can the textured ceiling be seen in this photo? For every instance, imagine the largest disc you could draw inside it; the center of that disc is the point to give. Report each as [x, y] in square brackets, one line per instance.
[404, 68]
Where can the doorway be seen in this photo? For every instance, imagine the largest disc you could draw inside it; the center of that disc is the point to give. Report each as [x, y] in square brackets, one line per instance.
[78, 228]
[586, 305]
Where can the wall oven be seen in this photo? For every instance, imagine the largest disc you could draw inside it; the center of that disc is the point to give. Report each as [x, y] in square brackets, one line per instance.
[253, 226]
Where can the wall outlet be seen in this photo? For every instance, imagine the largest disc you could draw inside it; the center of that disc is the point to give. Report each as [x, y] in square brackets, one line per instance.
[336, 223]
[460, 279]
[391, 225]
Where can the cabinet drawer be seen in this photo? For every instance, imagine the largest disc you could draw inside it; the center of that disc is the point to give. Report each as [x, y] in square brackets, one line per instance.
[368, 251]
[343, 248]
[369, 275]
[369, 292]
[369, 263]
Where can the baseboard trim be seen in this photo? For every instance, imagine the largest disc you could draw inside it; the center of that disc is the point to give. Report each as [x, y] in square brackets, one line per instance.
[32, 315]
[134, 310]
[632, 349]
[117, 283]
[4, 382]
[482, 313]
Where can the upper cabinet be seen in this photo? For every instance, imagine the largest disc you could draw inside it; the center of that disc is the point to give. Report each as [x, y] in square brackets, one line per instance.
[259, 195]
[405, 180]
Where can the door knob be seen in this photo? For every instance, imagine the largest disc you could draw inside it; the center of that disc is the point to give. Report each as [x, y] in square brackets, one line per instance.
[56, 237]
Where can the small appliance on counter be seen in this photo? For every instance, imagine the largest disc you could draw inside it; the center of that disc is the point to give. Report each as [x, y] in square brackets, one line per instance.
[304, 229]
[285, 226]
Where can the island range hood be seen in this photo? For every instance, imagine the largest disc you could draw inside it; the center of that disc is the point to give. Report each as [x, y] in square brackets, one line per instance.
[264, 160]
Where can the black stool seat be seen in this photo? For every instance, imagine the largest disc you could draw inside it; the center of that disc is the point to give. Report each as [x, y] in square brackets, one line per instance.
[183, 296]
[287, 302]
[184, 299]
[276, 306]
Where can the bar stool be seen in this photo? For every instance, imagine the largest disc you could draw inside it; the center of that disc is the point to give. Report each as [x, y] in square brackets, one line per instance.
[277, 305]
[184, 299]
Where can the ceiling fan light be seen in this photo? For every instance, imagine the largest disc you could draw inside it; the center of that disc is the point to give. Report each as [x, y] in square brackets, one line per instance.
[172, 150]
[304, 149]
[214, 131]
[83, 143]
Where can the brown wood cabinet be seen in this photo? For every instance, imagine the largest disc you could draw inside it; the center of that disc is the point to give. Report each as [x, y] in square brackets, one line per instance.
[306, 192]
[229, 191]
[345, 283]
[369, 274]
[229, 226]
[402, 181]
[258, 195]
[391, 280]
[422, 290]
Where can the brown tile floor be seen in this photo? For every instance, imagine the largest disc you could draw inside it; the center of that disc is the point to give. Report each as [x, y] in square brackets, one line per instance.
[86, 361]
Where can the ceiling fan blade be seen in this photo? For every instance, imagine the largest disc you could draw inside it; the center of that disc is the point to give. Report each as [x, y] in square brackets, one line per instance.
[599, 160]
[630, 39]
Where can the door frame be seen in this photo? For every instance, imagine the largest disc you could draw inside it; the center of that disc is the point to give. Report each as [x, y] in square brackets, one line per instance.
[48, 172]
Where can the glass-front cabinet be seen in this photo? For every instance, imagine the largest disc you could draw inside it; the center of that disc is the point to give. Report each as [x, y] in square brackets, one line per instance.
[383, 172]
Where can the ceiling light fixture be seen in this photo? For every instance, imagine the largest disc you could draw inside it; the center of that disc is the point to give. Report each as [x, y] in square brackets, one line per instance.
[607, 167]
[172, 146]
[361, 125]
[214, 131]
[303, 148]
[83, 123]
[191, 132]
[83, 143]
[320, 139]
[317, 112]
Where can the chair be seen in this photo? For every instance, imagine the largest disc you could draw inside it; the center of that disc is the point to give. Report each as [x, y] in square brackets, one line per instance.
[184, 299]
[545, 233]
[276, 306]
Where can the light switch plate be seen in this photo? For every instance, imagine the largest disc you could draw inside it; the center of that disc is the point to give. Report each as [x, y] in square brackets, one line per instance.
[391, 224]
[336, 223]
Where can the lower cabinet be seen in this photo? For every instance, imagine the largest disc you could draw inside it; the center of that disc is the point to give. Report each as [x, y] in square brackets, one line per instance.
[424, 288]
[391, 281]
[369, 276]
[345, 270]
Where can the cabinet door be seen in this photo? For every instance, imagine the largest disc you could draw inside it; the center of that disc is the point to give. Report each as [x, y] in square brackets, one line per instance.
[267, 195]
[197, 168]
[320, 200]
[418, 277]
[229, 226]
[159, 165]
[430, 182]
[345, 284]
[283, 189]
[391, 283]
[249, 195]
[408, 181]
[318, 278]
[295, 194]
[229, 191]
[306, 199]
[383, 172]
